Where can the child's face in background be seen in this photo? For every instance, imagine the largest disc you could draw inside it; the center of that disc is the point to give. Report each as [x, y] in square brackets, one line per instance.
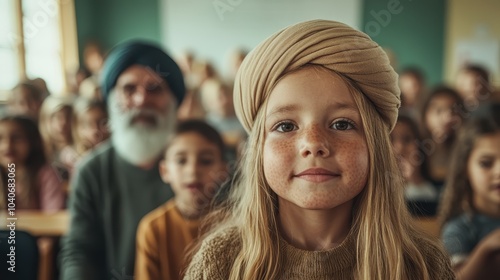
[60, 125]
[441, 118]
[470, 85]
[483, 170]
[14, 144]
[410, 89]
[315, 152]
[404, 143]
[193, 166]
[221, 102]
[92, 128]
[23, 103]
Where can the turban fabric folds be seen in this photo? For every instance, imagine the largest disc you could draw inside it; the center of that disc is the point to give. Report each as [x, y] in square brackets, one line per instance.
[330, 44]
[131, 53]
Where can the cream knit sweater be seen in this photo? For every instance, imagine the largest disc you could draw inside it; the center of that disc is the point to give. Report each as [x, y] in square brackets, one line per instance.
[214, 260]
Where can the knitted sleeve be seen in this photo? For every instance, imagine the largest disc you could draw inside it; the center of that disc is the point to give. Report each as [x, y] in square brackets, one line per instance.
[216, 255]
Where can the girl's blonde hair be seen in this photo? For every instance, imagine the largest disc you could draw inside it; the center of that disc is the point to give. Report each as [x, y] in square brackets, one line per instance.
[457, 195]
[384, 236]
[50, 106]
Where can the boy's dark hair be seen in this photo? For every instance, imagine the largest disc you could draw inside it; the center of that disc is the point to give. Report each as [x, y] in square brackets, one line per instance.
[203, 129]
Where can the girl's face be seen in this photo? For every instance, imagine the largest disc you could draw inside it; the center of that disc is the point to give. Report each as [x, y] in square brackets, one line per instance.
[483, 170]
[91, 127]
[60, 125]
[403, 140]
[315, 152]
[14, 144]
[441, 118]
[410, 88]
[193, 166]
[405, 147]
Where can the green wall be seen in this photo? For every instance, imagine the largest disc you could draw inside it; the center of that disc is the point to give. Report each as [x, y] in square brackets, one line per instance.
[415, 32]
[112, 21]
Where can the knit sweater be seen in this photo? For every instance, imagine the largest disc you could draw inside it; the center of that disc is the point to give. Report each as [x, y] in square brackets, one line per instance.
[162, 238]
[217, 253]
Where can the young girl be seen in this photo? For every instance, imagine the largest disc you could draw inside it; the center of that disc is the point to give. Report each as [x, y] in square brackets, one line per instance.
[442, 115]
[88, 129]
[194, 166]
[55, 128]
[421, 196]
[320, 193]
[470, 211]
[412, 84]
[37, 185]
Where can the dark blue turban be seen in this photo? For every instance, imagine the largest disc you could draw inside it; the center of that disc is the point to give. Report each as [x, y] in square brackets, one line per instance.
[131, 53]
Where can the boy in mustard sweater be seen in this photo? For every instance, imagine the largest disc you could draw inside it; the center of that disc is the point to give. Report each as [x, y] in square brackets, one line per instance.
[195, 167]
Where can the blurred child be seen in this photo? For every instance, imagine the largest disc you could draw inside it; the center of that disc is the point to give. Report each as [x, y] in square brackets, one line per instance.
[217, 99]
[313, 200]
[194, 166]
[441, 117]
[25, 99]
[55, 128]
[88, 129]
[236, 58]
[37, 185]
[470, 210]
[412, 84]
[473, 85]
[421, 196]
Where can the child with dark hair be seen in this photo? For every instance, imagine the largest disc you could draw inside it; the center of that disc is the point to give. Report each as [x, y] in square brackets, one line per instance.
[442, 115]
[420, 195]
[473, 84]
[194, 166]
[37, 185]
[412, 85]
[25, 99]
[470, 209]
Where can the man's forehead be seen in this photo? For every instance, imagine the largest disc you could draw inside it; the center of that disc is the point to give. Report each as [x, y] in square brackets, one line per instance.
[139, 74]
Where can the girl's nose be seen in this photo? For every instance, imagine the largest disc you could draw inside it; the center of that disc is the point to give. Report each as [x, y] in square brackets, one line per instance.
[314, 143]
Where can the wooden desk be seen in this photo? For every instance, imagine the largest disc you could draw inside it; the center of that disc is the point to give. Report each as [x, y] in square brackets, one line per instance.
[47, 226]
[428, 225]
[37, 223]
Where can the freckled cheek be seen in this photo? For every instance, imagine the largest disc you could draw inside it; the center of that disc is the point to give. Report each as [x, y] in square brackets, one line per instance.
[354, 162]
[276, 153]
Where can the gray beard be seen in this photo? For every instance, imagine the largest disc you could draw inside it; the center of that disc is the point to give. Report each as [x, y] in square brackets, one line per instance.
[139, 143]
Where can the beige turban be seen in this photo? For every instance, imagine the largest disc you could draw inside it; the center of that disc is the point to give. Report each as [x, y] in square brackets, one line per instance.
[330, 44]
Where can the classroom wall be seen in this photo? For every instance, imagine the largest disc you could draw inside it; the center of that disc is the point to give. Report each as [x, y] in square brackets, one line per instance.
[213, 29]
[473, 20]
[412, 30]
[112, 21]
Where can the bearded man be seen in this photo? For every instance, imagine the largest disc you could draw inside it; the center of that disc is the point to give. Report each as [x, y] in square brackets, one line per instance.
[119, 183]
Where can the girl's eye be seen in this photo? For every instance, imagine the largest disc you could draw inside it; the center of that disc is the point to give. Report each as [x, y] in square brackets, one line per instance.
[486, 164]
[181, 161]
[343, 125]
[285, 127]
